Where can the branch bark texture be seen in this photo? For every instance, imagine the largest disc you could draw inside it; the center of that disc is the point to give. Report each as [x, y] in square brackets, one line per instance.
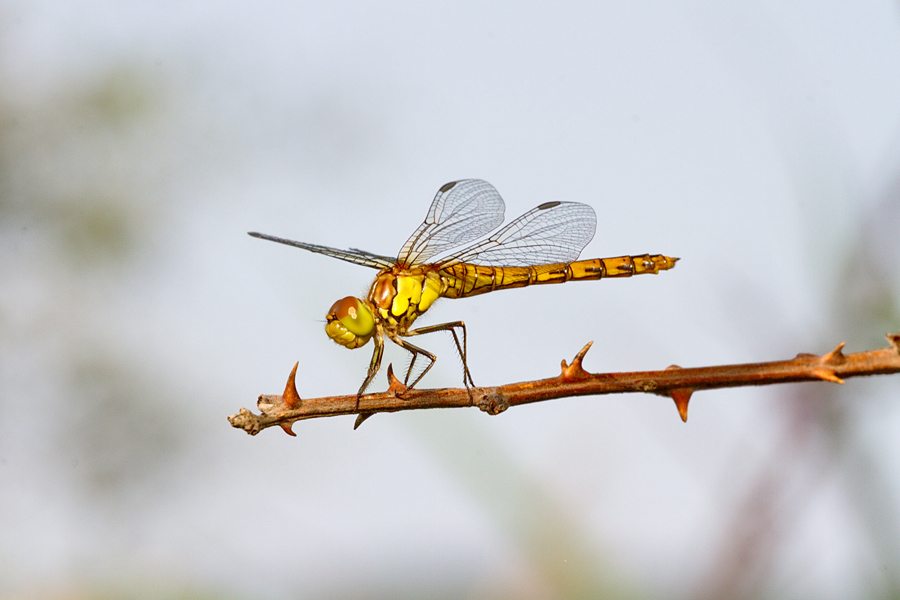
[675, 382]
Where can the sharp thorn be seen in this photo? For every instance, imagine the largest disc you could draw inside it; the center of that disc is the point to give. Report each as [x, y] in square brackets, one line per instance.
[575, 370]
[287, 429]
[580, 356]
[390, 374]
[835, 356]
[681, 396]
[291, 397]
[894, 339]
[827, 375]
[394, 385]
[360, 418]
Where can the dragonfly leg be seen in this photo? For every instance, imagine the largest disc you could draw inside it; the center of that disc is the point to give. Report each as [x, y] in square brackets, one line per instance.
[409, 371]
[374, 365]
[461, 348]
[415, 351]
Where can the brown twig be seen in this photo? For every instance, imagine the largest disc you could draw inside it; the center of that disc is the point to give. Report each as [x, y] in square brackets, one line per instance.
[674, 382]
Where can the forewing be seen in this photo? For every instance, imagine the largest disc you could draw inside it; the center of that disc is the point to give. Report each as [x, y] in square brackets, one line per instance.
[554, 232]
[461, 211]
[359, 257]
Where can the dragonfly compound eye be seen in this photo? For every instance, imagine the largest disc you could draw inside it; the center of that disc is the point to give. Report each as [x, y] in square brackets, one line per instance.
[350, 322]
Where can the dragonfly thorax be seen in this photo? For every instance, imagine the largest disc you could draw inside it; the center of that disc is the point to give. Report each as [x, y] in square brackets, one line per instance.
[350, 322]
[399, 296]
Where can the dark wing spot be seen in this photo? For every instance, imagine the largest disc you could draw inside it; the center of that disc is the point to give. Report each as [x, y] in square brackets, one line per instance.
[547, 205]
[448, 186]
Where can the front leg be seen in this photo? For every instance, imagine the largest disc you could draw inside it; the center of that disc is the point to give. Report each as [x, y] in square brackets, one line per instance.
[374, 365]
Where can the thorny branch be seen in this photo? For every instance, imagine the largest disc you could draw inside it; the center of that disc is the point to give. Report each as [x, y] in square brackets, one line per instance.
[674, 382]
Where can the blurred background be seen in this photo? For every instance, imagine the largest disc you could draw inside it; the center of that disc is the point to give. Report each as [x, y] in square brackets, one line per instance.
[139, 142]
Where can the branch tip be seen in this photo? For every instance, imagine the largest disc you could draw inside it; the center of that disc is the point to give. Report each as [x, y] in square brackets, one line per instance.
[245, 420]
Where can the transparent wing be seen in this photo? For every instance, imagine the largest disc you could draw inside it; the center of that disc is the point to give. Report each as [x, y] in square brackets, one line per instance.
[359, 257]
[554, 232]
[380, 258]
[461, 211]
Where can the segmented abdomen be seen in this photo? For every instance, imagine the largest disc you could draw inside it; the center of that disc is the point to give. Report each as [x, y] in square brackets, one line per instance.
[463, 280]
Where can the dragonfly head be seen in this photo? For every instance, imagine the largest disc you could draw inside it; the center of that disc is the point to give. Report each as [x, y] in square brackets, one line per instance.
[350, 322]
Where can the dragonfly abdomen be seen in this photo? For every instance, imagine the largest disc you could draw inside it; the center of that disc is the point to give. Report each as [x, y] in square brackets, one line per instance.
[463, 280]
[621, 266]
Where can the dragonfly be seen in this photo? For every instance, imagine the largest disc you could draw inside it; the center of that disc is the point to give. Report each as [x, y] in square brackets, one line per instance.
[446, 258]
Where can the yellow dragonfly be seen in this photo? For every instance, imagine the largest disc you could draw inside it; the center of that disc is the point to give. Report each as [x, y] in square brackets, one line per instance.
[442, 259]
